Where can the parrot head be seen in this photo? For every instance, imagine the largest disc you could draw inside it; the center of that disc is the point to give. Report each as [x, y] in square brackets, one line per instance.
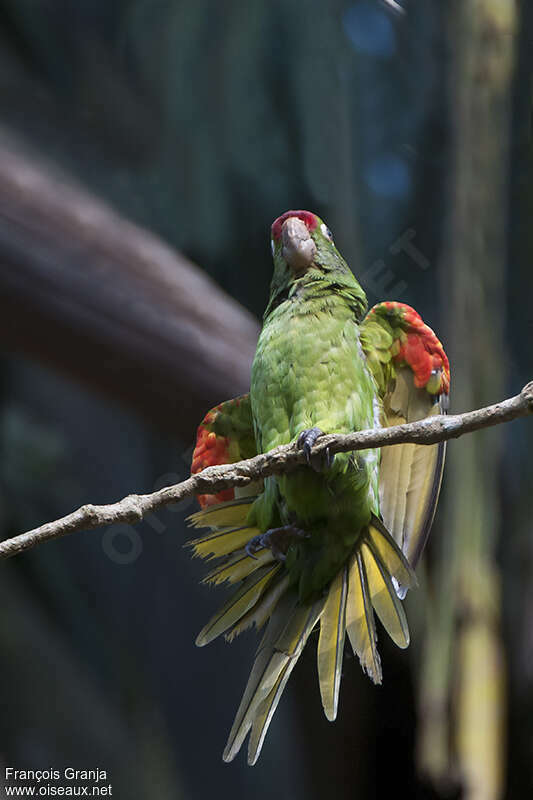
[304, 254]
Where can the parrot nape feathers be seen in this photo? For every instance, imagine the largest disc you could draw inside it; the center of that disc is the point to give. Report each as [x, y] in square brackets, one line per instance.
[331, 542]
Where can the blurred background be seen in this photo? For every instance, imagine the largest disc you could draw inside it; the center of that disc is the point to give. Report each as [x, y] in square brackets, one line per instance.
[145, 148]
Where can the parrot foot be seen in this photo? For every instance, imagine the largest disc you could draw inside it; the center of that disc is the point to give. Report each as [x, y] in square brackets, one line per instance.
[306, 441]
[277, 540]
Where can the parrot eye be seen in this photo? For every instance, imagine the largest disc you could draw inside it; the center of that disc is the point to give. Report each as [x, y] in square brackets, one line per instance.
[326, 231]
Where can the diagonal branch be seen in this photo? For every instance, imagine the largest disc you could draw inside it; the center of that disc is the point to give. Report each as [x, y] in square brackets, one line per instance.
[282, 459]
[109, 303]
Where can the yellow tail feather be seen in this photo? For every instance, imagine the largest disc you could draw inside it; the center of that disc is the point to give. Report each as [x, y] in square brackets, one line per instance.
[391, 556]
[384, 598]
[304, 622]
[264, 594]
[229, 514]
[265, 712]
[238, 567]
[285, 638]
[236, 607]
[263, 609]
[252, 694]
[360, 624]
[331, 644]
[222, 542]
[363, 584]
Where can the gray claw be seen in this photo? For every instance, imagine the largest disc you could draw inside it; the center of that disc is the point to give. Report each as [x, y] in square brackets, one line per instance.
[306, 440]
[254, 545]
[277, 540]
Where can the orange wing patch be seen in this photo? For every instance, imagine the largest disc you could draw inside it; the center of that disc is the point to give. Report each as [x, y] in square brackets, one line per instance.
[419, 348]
[209, 451]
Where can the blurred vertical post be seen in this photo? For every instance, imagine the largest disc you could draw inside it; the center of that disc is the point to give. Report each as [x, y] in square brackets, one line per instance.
[462, 691]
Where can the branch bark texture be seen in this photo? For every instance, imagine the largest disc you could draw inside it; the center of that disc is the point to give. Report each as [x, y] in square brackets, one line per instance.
[282, 459]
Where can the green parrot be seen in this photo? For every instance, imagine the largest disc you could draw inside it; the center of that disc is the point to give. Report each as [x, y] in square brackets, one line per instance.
[335, 540]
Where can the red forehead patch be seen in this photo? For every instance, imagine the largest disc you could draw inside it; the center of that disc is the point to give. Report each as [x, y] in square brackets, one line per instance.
[306, 216]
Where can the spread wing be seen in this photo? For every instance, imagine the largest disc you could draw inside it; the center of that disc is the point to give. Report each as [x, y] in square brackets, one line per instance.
[413, 376]
[225, 435]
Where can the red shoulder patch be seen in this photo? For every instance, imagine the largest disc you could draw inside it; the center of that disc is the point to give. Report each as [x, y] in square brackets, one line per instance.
[209, 451]
[311, 220]
[420, 349]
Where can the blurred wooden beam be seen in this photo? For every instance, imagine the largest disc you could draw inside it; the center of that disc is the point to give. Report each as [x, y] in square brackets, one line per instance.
[108, 303]
[462, 728]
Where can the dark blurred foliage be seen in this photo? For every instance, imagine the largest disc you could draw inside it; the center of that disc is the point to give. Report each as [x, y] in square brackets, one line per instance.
[203, 121]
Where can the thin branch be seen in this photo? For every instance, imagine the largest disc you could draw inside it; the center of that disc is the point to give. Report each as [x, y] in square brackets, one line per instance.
[282, 459]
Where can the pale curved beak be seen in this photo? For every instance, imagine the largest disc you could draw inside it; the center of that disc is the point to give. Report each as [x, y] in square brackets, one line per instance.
[298, 247]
